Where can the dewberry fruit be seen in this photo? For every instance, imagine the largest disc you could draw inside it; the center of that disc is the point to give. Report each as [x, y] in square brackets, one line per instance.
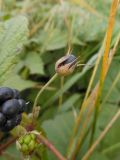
[27, 143]
[10, 108]
[66, 65]
[11, 123]
[5, 94]
[22, 105]
[2, 119]
[16, 94]
[18, 119]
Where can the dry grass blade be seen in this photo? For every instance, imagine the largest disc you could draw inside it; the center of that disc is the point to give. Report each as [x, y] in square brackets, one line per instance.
[90, 105]
[105, 62]
[92, 98]
[86, 101]
[102, 135]
[108, 60]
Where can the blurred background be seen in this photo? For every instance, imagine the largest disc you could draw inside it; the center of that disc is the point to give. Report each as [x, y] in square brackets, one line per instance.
[56, 26]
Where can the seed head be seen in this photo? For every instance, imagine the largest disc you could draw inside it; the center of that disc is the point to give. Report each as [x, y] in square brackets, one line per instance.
[66, 65]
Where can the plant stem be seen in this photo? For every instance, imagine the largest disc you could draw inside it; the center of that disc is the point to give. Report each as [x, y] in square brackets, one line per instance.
[42, 139]
[61, 96]
[111, 148]
[82, 133]
[84, 65]
[40, 92]
[102, 135]
[7, 144]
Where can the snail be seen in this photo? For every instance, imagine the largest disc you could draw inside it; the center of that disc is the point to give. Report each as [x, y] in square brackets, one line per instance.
[66, 65]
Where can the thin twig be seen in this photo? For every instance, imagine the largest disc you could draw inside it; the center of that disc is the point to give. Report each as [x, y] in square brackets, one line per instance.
[42, 139]
[40, 92]
[102, 135]
[7, 144]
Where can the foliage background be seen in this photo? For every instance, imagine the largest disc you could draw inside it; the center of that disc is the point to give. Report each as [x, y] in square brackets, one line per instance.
[52, 26]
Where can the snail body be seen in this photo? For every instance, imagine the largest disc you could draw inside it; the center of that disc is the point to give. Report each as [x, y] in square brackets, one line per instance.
[66, 65]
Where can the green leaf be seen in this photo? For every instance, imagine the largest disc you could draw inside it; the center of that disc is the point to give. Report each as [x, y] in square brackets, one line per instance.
[59, 131]
[69, 103]
[34, 62]
[12, 37]
[98, 156]
[17, 82]
[57, 40]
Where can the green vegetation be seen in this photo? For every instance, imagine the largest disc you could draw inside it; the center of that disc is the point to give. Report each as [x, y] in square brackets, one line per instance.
[74, 111]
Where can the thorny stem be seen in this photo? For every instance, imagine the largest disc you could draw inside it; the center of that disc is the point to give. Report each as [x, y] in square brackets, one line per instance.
[5, 145]
[40, 92]
[102, 135]
[42, 139]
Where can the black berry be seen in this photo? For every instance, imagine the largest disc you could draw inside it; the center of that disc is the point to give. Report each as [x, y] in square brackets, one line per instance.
[18, 119]
[5, 94]
[10, 108]
[22, 105]
[2, 119]
[16, 94]
[9, 125]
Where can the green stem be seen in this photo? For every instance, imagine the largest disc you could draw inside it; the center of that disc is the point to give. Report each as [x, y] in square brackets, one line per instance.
[111, 148]
[43, 88]
[61, 96]
[96, 113]
[79, 144]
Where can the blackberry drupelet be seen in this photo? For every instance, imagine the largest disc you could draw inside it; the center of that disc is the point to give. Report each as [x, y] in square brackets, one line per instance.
[11, 108]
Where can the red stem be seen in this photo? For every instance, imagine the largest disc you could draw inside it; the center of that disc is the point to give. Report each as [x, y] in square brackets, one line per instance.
[7, 144]
[42, 139]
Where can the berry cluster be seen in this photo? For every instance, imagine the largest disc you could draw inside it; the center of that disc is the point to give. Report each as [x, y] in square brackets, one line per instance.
[11, 107]
[27, 143]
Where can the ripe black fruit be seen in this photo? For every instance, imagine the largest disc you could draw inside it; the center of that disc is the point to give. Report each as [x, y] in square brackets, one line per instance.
[18, 119]
[5, 94]
[11, 123]
[10, 108]
[22, 104]
[2, 119]
[16, 94]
